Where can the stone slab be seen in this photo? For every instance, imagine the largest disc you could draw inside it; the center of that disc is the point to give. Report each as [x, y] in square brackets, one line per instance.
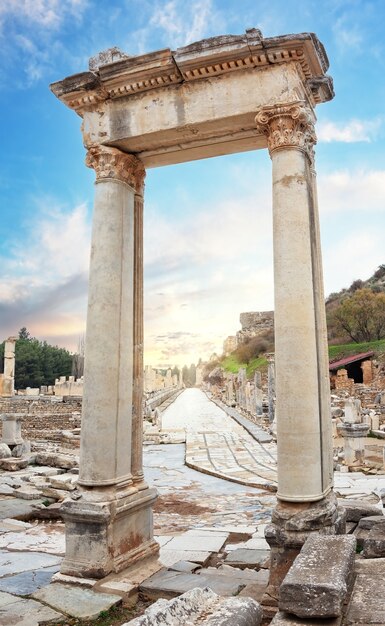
[29, 613]
[185, 566]
[75, 601]
[27, 582]
[367, 605]
[6, 598]
[208, 542]
[17, 508]
[36, 539]
[355, 509]
[284, 619]
[374, 544]
[317, 584]
[170, 557]
[16, 562]
[201, 606]
[370, 566]
[243, 557]
[168, 584]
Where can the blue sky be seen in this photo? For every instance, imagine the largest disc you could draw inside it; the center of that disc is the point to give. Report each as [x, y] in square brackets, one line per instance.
[208, 241]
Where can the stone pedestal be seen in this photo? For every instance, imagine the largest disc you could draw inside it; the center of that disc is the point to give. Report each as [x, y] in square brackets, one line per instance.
[292, 523]
[8, 379]
[110, 527]
[354, 442]
[12, 428]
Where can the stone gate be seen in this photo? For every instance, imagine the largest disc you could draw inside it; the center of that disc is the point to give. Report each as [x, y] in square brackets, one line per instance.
[218, 96]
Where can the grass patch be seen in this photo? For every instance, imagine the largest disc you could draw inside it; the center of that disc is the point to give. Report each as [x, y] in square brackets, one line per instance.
[259, 363]
[231, 364]
[339, 352]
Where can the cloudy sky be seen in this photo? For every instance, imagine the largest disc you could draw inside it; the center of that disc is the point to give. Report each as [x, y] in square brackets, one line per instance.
[208, 241]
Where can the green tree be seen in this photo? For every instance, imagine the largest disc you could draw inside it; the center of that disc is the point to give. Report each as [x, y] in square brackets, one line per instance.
[362, 316]
[38, 363]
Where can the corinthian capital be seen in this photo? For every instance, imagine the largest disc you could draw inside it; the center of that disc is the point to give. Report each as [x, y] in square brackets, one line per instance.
[288, 126]
[112, 163]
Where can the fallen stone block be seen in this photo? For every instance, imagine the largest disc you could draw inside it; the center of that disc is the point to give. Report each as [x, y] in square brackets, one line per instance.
[12, 464]
[29, 493]
[57, 460]
[317, 584]
[51, 512]
[355, 510]
[203, 607]
[367, 605]
[374, 544]
[64, 481]
[284, 619]
[363, 529]
[5, 451]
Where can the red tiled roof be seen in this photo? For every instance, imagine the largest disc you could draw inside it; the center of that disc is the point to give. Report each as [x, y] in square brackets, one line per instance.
[350, 359]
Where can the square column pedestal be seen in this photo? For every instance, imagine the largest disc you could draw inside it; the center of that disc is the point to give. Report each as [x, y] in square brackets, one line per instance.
[109, 526]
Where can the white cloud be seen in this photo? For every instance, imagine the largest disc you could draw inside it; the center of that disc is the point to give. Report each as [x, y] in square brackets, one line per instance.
[351, 132]
[44, 276]
[355, 190]
[48, 14]
[183, 23]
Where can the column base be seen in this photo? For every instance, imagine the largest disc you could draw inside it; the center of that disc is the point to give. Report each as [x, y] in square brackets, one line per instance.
[108, 536]
[292, 523]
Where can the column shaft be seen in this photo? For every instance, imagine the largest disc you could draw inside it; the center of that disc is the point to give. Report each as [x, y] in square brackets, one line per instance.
[302, 407]
[137, 404]
[105, 454]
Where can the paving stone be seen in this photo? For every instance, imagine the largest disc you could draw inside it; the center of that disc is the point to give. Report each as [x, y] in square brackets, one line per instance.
[316, 586]
[28, 492]
[39, 538]
[27, 582]
[205, 541]
[13, 526]
[170, 557]
[201, 606]
[75, 601]
[6, 598]
[17, 508]
[243, 557]
[6, 490]
[168, 584]
[370, 566]
[16, 562]
[74, 580]
[29, 613]
[186, 567]
[367, 605]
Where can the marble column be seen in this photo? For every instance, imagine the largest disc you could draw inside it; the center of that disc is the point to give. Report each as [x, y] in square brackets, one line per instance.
[306, 502]
[110, 526]
[8, 381]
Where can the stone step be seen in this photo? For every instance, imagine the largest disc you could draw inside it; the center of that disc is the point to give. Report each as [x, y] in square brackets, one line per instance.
[319, 580]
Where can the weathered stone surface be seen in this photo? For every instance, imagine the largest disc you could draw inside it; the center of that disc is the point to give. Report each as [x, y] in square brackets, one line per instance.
[168, 583]
[17, 508]
[357, 509]
[5, 451]
[169, 557]
[16, 562]
[247, 558]
[187, 567]
[370, 566]
[367, 605]
[12, 464]
[318, 581]
[27, 582]
[57, 460]
[374, 544]
[29, 613]
[284, 619]
[75, 601]
[201, 606]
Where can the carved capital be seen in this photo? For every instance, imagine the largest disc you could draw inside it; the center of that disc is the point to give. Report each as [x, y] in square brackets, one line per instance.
[288, 126]
[113, 163]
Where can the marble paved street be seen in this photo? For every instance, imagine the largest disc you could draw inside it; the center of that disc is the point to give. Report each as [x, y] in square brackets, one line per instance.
[217, 444]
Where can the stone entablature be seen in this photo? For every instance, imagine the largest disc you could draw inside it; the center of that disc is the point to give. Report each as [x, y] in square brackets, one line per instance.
[120, 96]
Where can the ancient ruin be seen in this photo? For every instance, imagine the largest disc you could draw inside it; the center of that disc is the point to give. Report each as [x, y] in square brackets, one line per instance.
[168, 107]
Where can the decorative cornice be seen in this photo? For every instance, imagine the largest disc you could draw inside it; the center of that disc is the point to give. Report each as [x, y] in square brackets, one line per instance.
[114, 74]
[113, 163]
[288, 125]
